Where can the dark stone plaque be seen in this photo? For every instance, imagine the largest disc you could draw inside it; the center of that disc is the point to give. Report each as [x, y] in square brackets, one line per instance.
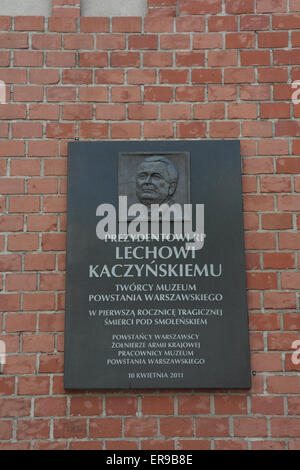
[148, 306]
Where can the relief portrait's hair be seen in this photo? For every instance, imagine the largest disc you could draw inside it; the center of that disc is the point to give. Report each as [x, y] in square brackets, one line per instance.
[170, 167]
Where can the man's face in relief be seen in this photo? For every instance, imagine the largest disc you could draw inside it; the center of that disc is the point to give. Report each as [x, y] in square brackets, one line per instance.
[152, 183]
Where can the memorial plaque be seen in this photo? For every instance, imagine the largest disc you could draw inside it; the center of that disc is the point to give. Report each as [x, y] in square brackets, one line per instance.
[155, 284]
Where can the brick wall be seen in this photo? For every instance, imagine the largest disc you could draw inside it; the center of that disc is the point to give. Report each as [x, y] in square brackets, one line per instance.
[217, 70]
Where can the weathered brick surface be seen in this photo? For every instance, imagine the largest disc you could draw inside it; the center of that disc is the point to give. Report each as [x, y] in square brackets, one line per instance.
[191, 69]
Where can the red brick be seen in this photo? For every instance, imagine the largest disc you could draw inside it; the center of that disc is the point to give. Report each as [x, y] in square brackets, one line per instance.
[156, 405]
[10, 75]
[126, 25]
[158, 130]
[259, 241]
[156, 444]
[69, 428]
[290, 281]
[26, 130]
[263, 362]
[111, 42]
[250, 427]
[175, 111]
[16, 407]
[51, 363]
[105, 427]
[200, 7]
[265, 321]
[121, 406]
[46, 41]
[272, 75]
[93, 130]
[109, 76]
[65, 131]
[50, 406]
[257, 129]
[230, 405]
[35, 385]
[39, 261]
[230, 445]
[23, 322]
[10, 262]
[23, 242]
[239, 6]
[191, 130]
[218, 427]
[261, 281]
[270, 147]
[126, 94]
[188, 24]
[125, 130]
[224, 129]
[283, 384]
[291, 21]
[279, 300]
[28, 59]
[179, 427]
[114, 112]
[157, 59]
[190, 405]
[207, 41]
[38, 343]
[206, 76]
[158, 93]
[77, 111]
[28, 93]
[188, 59]
[125, 59]
[61, 94]
[285, 427]
[5, 23]
[254, 22]
[222, 23]
[279, 260]
[51, 322]
[60, 59]
[277, 221]
[6, 430]
[289, 241]
[54, 241]
[173, 76]
[209, 111]
[51, 445]
[39, 301]
[142, 111]
[11, 223]
[55, 167]
[12, 186]
[221, 58]
[141, 76]
[79, 41]
[222, 93]
[21, 282]
[52, 282]
[63, 24]
[272, 39]
[94, 25]
[196, 444]
[256, 58]
[86, 406]
[190, 93]
[255, 92]
[20, 365]
[288, 203]
[288, 165]
[240, 40]
[44, 111]
[147, 41]
[14, 40]
[77, 76]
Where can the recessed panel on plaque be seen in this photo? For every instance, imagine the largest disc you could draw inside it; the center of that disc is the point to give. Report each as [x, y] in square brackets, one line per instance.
[155, 282]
